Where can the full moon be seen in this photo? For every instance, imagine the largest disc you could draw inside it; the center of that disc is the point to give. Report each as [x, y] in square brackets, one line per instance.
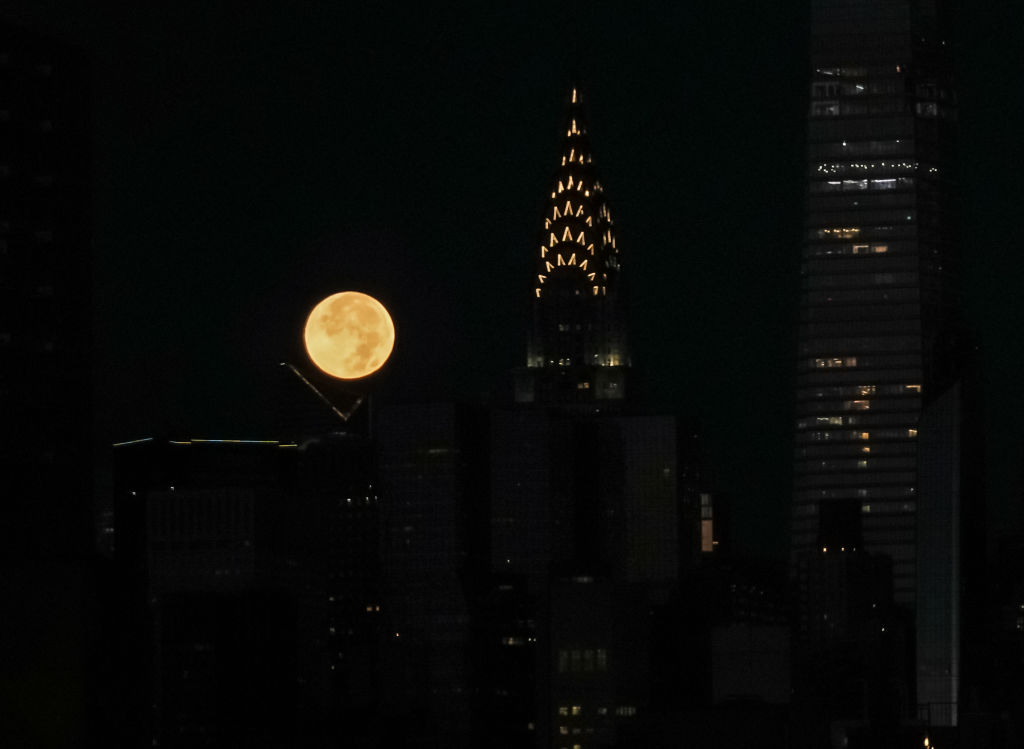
[349, 335]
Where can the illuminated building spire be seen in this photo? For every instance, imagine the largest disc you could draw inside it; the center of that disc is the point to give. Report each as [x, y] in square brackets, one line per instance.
[577, 349]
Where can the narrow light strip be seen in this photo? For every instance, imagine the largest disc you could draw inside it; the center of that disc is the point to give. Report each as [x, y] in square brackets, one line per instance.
[132, 442]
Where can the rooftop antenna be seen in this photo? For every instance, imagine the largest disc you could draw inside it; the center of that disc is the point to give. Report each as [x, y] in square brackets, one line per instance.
[574, 34]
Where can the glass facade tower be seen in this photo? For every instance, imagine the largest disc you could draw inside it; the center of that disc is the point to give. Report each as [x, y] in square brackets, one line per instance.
[877, 299]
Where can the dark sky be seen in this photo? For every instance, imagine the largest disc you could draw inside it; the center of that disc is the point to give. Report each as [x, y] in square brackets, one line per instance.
[253, 157]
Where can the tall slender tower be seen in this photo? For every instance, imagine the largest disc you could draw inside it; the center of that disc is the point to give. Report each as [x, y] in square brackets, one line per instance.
[877, 300]
[577, 352]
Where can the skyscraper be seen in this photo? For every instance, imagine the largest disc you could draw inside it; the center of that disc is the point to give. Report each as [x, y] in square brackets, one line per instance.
[577, 351]
[877, 298]
[584, 492]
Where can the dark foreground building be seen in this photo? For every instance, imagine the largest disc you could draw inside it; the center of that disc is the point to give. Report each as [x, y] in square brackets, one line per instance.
[50, 664]
[250, 609]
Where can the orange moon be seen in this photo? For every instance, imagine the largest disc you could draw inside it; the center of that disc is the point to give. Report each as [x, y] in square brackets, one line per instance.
[349, 335]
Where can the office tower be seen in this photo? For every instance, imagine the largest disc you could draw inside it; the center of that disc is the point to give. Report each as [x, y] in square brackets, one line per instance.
[577, 351]
[877, 300]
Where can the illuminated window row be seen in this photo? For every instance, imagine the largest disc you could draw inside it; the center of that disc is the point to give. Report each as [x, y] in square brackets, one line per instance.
[561, 260]
[567, 211]
[582, 660]
[858, 185]
[839, 391]
[899, 401]
[853, 232]
[517, 641]
[567, 237]
[854, 435]
[571, 185]
[843, 107]
[875, 87]
[851, 249]
[841, 167]
[835, 361]
[864, 420]
[880, 361]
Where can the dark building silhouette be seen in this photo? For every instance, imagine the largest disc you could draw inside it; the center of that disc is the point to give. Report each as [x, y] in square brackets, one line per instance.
[252, 569]
[45, 295]
[52, 667]
[433, 460]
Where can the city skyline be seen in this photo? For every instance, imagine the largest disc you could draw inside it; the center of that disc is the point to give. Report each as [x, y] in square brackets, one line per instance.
[526, 555]
[204, 263]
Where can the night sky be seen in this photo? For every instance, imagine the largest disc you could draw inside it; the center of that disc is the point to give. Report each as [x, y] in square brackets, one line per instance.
[251, 158]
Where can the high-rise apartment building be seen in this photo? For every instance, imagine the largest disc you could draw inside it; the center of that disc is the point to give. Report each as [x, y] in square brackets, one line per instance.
[877, 298]
[577, 351]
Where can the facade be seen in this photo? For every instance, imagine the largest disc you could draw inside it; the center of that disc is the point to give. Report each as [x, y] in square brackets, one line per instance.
[577, 351]
[877, 298]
